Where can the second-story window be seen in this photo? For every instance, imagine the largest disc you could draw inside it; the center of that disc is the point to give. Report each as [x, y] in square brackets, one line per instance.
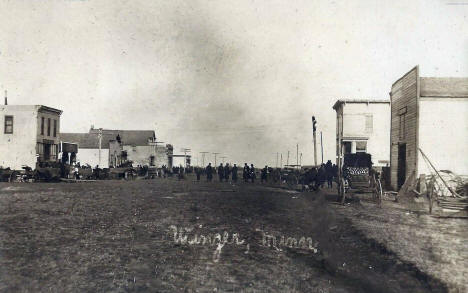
[55, 128]
[8, 124]
[48, 126]
[42, 125]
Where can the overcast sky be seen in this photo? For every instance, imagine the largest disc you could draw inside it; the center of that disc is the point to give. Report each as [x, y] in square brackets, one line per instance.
[242, 78]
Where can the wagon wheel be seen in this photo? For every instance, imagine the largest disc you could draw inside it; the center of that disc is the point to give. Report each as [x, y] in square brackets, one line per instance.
[342, 190]
[378, 192]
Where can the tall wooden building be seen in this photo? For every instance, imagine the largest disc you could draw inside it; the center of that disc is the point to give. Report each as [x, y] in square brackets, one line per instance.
[363, 126]
[30, 134]
[431, 114]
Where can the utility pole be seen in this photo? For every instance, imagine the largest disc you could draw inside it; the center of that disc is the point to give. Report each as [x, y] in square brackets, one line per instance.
[287, 161]
[100, 143]
[281, 164]
[203, 158]
[314, 128]
[185, 150]
[300, 161]
[297, 155]
[215, 157]
[276, 160]
[321, 145]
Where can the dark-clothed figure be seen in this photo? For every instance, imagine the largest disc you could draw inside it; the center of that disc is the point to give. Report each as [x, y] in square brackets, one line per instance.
[234, 173]
[227, 170]
[252, 173]
[322, 175]
[209, 173]
[246, 172]
[180, 173]
[335, 172]
[198, 172]
[221, 172]
[264, 174]
[313, 174]
[329, 173]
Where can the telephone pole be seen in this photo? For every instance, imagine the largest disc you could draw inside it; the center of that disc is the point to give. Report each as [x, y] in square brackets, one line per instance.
[314, 128]
[185, 150]
[281, 164]
[297, 155]
[321, 145]
[215, 154]
[100, 143]
[203, 158]
[287, 160]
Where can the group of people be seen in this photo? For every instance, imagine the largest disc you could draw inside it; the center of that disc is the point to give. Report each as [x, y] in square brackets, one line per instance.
[224, 172]
[316, 177]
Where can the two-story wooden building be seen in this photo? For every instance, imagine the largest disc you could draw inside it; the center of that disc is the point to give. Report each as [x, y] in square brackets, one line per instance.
[431, 114]
[30, 134]
[363, 125]
[109, 147]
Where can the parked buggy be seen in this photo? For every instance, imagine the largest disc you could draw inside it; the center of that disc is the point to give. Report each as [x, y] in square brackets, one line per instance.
[358, 175]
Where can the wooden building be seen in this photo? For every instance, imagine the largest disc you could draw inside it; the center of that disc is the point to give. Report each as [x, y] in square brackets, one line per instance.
[431, 114]
[30, 134]
[363, 125]
[108, 147]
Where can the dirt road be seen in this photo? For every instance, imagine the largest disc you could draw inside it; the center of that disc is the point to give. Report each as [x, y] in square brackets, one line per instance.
[184, 236]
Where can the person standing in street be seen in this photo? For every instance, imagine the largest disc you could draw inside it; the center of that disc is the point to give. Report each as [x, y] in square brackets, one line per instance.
[252, 173]
[246, 172]
[220, 172]
[264, 174]
[329, 173]
[322, 175]
[209, 173]
[226, 172]
[234, 173]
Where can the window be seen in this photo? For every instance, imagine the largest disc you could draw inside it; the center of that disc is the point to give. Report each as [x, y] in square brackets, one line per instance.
[55, 128]
[8, 124]
[48, 126]
[361, 146]
[42, 126]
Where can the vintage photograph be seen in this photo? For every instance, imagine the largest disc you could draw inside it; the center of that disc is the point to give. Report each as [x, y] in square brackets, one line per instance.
[246, 146]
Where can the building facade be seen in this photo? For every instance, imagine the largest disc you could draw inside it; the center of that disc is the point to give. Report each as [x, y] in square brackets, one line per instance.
[363, 126]
[110, 148]
[428, 114]
[30, 134]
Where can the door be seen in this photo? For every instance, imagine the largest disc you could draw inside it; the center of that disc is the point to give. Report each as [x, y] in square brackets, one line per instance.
[401, 164]
[47, 151]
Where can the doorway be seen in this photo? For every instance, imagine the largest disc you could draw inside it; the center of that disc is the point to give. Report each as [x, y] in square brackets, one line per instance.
[401, 173]
[47, 152]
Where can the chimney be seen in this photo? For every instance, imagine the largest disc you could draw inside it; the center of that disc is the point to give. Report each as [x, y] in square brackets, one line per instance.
[6, 98]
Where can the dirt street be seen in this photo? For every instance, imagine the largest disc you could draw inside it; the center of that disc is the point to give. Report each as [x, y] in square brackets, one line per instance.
[166, 235]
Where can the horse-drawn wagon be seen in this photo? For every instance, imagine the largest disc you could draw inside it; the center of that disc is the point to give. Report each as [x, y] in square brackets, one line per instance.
[358, 175]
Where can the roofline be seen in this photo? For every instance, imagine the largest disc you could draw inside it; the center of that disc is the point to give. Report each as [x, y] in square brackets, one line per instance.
[359, 101]
[415, 67]
[50, 109]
